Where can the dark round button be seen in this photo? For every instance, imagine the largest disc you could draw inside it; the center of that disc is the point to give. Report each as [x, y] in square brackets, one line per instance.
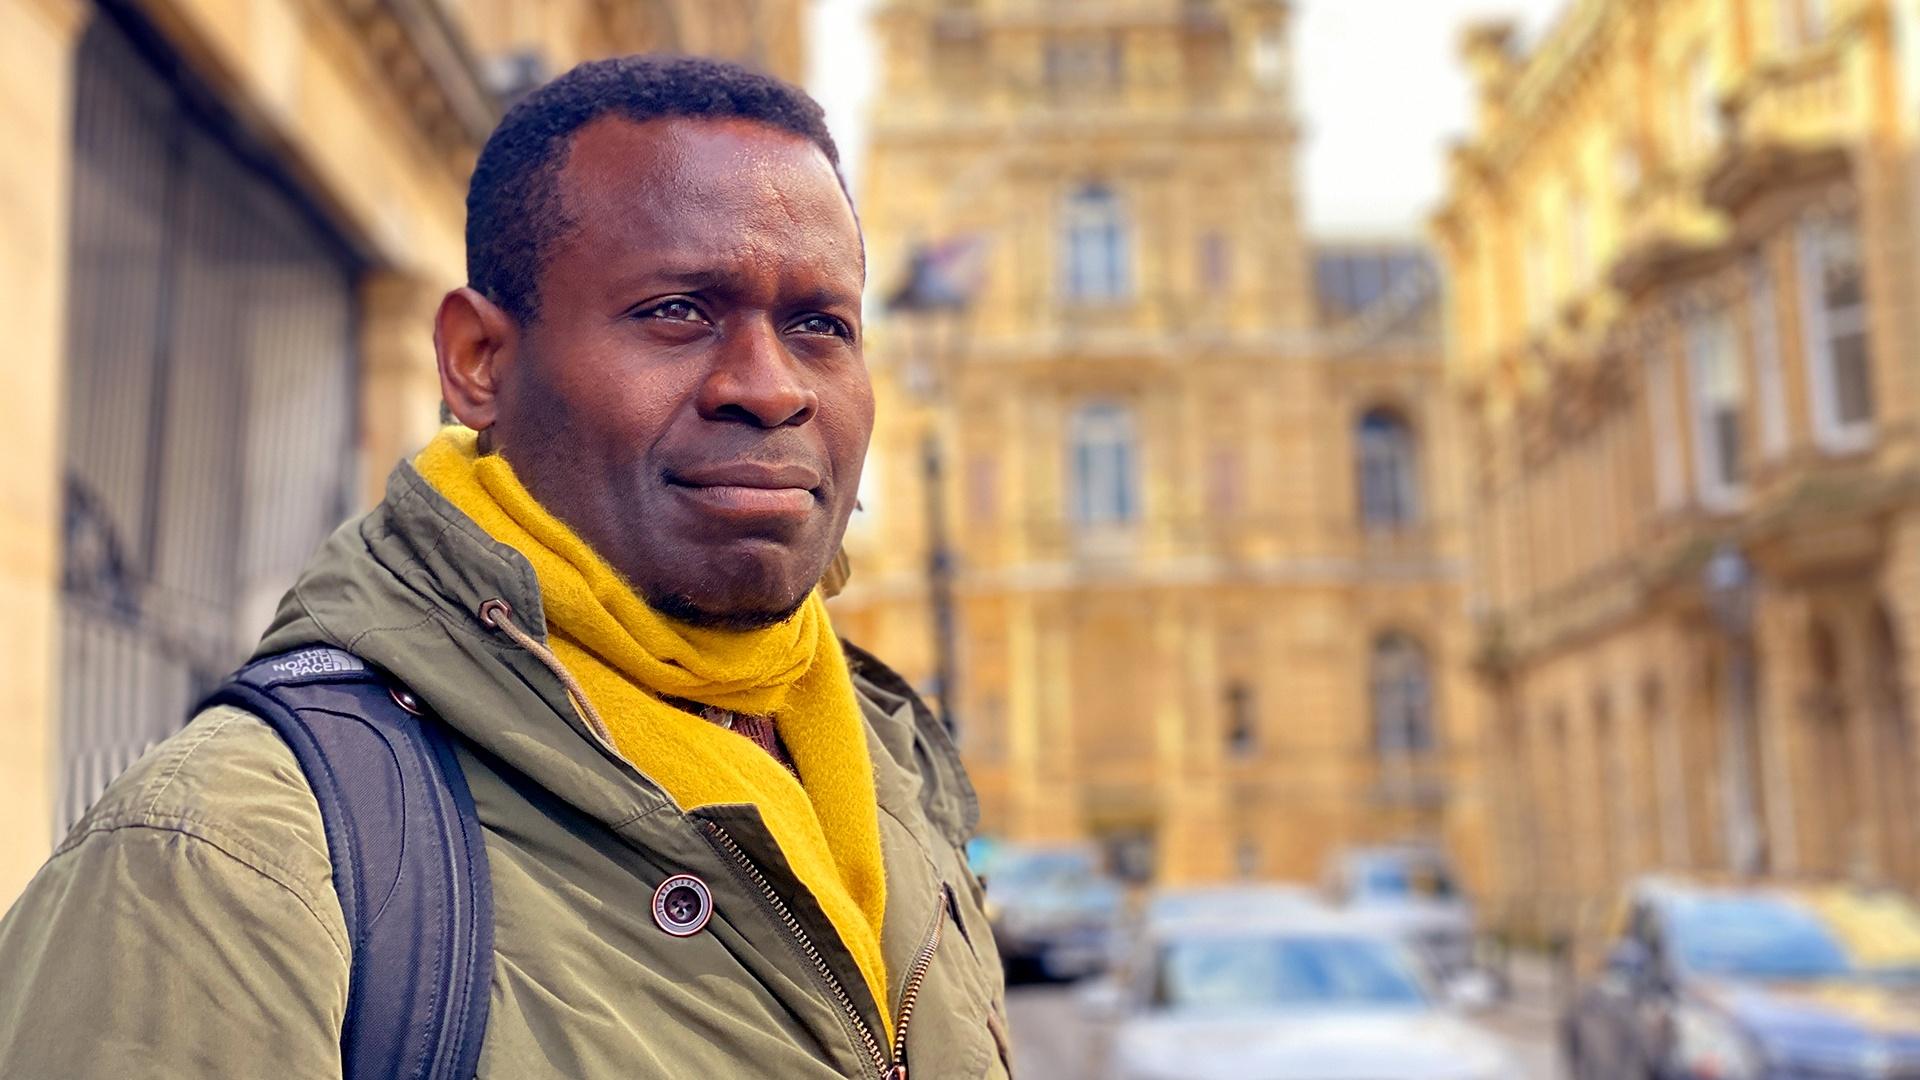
[404, 698]
[682, 905]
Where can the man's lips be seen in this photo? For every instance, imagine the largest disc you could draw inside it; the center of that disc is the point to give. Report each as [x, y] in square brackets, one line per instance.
[749, 489]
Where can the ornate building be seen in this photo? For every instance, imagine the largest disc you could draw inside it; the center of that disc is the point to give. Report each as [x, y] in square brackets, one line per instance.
[1680, 242]
[227, 225]
[1205, 566]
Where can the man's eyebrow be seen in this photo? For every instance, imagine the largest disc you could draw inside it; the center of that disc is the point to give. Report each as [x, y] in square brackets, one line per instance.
[825, 298]
[684, 278]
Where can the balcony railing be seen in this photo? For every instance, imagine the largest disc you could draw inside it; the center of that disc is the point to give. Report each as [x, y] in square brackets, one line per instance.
[1667, 219]
[1803, 101]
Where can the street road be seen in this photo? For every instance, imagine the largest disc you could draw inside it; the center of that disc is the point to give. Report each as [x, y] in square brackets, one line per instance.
[1052, 1040]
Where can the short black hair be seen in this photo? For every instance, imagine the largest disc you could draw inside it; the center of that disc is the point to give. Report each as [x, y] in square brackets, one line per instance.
[513, 201]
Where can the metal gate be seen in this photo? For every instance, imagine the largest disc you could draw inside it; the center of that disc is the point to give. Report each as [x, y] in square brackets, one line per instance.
[210, 420]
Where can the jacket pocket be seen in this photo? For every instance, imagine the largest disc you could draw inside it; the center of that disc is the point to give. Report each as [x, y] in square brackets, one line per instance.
[1002, 1041]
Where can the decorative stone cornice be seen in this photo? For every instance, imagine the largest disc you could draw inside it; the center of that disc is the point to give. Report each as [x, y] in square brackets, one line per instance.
[430, 68]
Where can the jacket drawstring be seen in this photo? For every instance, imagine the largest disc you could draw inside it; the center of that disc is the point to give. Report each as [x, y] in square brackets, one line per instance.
[497, 614]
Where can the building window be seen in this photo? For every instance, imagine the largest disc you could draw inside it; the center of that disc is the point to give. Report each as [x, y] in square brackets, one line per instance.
[1216, 268]
[1402, 697]
[1097, 266]
[1626, 165]
[1243, 734]
[983, 488]
[1834, 311]
[1270, 59]
[1696, 111]
[1580, 241]
[1083, 63]
[1224, 481]
[1389, 471]
[1717, 394]
[1539, 284]
[1663, 420]
[1763, 307]
[1105, 484]
[1801, 22]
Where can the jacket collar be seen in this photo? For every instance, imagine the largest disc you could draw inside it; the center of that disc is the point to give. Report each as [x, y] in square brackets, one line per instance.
[402, 587]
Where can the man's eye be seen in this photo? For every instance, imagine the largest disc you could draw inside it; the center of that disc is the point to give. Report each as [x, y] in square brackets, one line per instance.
[676, 310]
[823, 324]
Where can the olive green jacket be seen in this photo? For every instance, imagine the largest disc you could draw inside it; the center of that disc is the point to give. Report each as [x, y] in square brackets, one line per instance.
[188, 927]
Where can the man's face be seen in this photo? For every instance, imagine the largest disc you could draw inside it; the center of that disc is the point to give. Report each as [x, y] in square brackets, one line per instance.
[691, 397]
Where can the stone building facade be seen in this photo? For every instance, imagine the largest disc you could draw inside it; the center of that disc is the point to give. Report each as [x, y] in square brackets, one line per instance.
[227, 224]
[1206, 566]
[1680, 244]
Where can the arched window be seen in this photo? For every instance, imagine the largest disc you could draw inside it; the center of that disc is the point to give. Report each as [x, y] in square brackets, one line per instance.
[1102, 460]
[1097, 263]
[1389, 469]
[1402, 697]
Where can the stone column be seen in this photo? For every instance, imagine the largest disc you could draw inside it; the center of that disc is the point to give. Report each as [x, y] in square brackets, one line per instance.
[1060, 798]
[399, 383]
[1024, 702]
[1196, 838]
[1699, 707]
[1664, 703]
[1171, 729]
[1782, 633]
[1900, 594]
[37, 40]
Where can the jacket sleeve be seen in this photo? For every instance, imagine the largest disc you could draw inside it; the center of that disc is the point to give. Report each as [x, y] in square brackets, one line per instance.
[180, 931]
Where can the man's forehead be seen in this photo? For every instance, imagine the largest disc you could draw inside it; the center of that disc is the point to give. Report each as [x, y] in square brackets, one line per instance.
[675, 164]
[695, 191]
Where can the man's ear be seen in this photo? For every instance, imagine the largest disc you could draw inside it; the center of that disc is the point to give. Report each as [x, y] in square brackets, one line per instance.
[474, 342]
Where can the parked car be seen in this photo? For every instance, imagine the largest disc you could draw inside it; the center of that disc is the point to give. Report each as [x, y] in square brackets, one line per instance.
[1753, 982]
[1262, 900]
[1054, 909]
[1184, 903]
[1412, 888]
[1302, 995]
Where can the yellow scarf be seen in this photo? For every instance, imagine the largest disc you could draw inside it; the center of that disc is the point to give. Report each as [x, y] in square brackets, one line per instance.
[624, 654]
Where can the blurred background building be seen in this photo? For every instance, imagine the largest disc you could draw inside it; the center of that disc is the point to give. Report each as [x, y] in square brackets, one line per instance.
[1190, 470]
[1680, 241]
[226, 227]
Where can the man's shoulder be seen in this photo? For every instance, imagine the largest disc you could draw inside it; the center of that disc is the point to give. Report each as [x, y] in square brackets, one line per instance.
[190, 916]
[227, 780]
[919, 742]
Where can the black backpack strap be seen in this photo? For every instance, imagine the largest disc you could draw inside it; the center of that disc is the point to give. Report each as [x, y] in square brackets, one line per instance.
[408, 860]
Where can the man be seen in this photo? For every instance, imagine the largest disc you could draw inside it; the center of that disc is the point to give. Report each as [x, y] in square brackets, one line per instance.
[600, 594]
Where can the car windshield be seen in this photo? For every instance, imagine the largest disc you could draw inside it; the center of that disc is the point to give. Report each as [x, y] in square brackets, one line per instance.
[1879, 930]
[1168, 907]
[1041, 869]
[1235, 973]
[1755, 937]
[1405, 881]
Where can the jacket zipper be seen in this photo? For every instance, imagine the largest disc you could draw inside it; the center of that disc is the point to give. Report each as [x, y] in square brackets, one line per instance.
[910, 993]
[885, 1068]
[498, 615]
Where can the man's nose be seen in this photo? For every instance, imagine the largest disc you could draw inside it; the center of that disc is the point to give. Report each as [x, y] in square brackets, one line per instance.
[756, 379]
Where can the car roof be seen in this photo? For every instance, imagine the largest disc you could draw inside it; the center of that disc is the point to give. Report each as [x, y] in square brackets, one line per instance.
[1662, 888]
[1229, 890]
[1319, 921]
[1008, 850]
[1394, 853]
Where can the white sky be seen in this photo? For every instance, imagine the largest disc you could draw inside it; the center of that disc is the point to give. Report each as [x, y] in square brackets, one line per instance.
[1380, 85]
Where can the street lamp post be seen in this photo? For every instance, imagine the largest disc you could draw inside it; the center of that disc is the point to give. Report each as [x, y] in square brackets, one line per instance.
[1730, 588]
[936, 299]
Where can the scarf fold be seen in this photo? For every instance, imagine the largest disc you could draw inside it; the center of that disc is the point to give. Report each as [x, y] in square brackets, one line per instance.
[625, 654]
